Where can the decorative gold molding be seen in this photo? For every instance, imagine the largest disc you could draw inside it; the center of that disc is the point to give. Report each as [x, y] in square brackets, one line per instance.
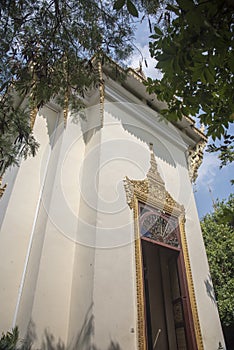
[32, 104]
[2, 189]
[33, 114]
[195, 158]
[65, 108]
[190, 284]
[67, 91]
[139, 282]
[101, 90]
[152, 191]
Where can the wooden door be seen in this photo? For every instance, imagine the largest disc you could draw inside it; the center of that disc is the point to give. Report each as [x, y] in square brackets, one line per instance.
[165, 323]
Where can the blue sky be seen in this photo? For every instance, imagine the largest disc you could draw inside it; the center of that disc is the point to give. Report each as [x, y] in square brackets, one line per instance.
[212, 183]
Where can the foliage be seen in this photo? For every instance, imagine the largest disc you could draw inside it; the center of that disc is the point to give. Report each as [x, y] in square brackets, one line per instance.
[47, 45]
[46, 49]
[195, 55]
[119, 4]
[9, 340]
[193, 47]
[226, 150]
[218, 233]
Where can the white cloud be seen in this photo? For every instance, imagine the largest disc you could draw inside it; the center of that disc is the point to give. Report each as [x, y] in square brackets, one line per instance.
[209, 170]
[136, 58]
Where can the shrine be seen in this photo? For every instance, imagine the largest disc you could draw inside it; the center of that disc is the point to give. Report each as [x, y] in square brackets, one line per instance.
[100, 243]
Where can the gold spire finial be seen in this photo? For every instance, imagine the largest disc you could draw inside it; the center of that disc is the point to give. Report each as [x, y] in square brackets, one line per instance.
[153, 173]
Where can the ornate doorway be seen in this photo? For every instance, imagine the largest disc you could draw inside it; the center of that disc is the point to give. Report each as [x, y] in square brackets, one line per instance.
[164, 308]
[167, 316]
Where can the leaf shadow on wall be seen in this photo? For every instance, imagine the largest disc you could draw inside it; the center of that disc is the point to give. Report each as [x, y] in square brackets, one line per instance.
[210, 289]
[82, 341]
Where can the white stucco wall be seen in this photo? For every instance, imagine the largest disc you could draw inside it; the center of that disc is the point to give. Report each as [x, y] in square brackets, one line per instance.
[22, 195]
[67, 235]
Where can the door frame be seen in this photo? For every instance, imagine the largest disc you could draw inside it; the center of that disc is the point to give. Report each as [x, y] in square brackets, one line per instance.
[164, 253]
[152, 191]
[189, 304]
[184, 292]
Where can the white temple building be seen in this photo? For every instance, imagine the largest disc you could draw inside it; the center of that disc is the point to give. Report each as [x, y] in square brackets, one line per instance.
[100, 241]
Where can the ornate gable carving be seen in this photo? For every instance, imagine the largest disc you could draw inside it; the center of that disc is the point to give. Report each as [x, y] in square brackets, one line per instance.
[195, 158]
[151, 190]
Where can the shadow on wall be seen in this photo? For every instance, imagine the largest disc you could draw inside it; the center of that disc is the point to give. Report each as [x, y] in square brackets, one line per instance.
[119, 114]
[82, 341]
[210, 289]
[145, 133]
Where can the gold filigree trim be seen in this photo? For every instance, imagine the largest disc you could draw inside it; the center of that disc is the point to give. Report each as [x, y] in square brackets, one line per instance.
[191, 290]
[152, 191]
[32, 103]
[136, 75]
[67, 90]
[2, 188]
[134, 186]
[101, 90]
[65, 109]
[33, 114]
[195, 158]
[139, 282]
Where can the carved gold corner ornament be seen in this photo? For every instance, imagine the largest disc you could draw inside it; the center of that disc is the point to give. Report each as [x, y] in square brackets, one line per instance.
[2, 189]
[101, 90]
[195, 159]
[65, 109]
[67, 92]
[33, 114]
[152, 191]
[33, 108]
[137, 73]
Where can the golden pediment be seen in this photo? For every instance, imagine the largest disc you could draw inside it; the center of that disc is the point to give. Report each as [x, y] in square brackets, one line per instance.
[151, 190]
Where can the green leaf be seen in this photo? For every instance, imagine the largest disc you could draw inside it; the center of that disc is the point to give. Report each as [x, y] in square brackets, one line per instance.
[209, 76]
[173, 116]
[164, 57]
[163, 64]
[186, 4]
[119, 4]
[132, 8]
[231, 62]
[203, 117]
[158, 31]
[185, 111]
[173, 8]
